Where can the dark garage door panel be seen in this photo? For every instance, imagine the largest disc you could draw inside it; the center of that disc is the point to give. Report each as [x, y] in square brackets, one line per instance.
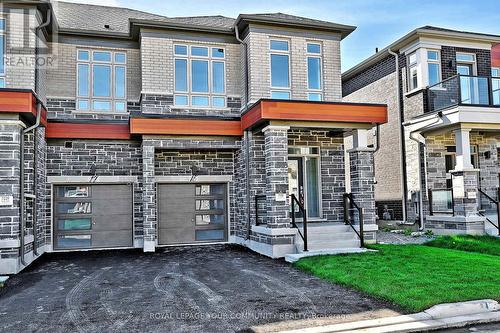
[177, 213]
[111, 214]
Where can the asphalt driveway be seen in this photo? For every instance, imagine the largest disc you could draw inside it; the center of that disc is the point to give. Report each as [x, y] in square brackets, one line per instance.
[190, 289]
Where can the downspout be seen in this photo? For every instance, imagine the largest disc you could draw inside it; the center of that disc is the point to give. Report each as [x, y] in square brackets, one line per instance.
[21, 166]
[404, 177]
[21, 183]
[419, 138]
[246, 135]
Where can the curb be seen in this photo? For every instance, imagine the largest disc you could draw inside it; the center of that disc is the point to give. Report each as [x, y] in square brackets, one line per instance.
[440, 316]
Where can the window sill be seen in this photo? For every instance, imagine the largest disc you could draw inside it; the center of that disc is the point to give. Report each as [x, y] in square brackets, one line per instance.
[208, 108]
[414, 92]
[121, 113]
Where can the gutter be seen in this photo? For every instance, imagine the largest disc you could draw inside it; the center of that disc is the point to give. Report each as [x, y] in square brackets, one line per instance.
[404, 178]
[247, 133]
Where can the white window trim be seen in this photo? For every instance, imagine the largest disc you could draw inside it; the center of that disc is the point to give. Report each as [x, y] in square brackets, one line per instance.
[320, 185]
[91, 98]
[4, 36]
[189, 93]
[280, 52]
[497, 69]
[408, 72]
[320, 57]
[431, 61]
[468, 62]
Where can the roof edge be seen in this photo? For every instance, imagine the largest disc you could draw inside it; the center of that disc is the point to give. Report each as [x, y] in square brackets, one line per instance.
[178, 26]
[343, 29]
[409, 37]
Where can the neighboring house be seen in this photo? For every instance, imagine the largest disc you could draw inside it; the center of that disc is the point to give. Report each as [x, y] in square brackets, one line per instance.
[157, 131]
[438, 161]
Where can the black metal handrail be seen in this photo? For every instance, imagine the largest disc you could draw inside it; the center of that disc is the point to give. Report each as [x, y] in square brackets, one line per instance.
[349, 202]
[497, 203]
[294, 201]
[257, 198]
[430, 197]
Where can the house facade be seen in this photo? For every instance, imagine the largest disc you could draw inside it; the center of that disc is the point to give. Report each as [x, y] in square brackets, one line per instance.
[438, 163]
[125, 129]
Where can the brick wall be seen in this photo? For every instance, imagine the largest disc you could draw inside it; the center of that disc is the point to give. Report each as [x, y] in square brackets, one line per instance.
[111, 158]
[259, 69]
[449, 63]
[375, 72]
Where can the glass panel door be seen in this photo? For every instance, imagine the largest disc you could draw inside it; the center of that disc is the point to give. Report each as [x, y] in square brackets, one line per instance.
[312, 187]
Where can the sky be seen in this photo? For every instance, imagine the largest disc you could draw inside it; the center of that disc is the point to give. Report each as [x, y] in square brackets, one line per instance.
[379, 22]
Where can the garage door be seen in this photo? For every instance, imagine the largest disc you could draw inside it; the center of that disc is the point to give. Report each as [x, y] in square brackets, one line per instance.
[191, 213]
[92, 216]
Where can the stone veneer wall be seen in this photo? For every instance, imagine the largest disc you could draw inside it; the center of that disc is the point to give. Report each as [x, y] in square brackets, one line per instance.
[110, 157]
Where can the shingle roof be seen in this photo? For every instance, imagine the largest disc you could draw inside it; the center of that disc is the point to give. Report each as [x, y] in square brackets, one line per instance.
[74, 16]
[93, 18]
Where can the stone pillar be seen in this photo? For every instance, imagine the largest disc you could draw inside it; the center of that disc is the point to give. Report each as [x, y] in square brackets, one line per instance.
[465, 192]
[276, 161]
[149, 197]
[362, 182]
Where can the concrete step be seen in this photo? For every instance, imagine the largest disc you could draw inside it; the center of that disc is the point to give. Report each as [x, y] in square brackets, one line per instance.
[331, 236]
[321, 245]
[293, 257]
[320, 228]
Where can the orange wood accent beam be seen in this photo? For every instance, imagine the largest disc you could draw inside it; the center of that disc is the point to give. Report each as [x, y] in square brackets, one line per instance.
[311, 111]
[168, 126]
[22, 102]
[87, 131]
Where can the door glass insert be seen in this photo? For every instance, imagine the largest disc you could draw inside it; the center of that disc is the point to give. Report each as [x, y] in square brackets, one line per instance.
[74, 208]
[312, 186]
[73, 191]
[207, 219]
[209, 235]
[74, 241]
[215, 189]
[209, 204]
[74, 224]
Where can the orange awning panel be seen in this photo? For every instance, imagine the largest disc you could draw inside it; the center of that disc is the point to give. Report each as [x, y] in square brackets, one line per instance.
[169, 126]
[22, 102]
[314, 111]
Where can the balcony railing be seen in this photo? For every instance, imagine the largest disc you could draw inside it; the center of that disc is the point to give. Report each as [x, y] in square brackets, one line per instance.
[464, 90]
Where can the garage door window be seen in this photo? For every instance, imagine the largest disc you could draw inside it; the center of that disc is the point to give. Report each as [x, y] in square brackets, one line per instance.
[74, 224]
[209, 204]
[208, 219]
[209, 189]
[208, 235]
[74, 241]
[73, 191]
[74, 208]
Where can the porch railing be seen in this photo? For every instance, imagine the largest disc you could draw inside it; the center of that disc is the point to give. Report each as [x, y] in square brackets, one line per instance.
[441, 201]
[464, 90]
[496, 204]
[349, 204]
[294, 202]
[260, 206]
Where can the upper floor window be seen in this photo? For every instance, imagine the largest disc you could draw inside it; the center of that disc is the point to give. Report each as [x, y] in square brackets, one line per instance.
[200, 76]
[314, 70]
[280, 69]
[433, 67]
[101, 80]
[2, 53]
[412, 71]
[495, 71]
[466, 63]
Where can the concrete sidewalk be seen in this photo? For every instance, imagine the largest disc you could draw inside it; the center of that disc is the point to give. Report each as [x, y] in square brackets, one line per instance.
[437, 317]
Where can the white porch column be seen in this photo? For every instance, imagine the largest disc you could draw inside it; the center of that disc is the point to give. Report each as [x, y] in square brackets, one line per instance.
[462, 143]
[360, 139]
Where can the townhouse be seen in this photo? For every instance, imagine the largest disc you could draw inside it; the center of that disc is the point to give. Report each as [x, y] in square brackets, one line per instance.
[133, 130]
[438, 164]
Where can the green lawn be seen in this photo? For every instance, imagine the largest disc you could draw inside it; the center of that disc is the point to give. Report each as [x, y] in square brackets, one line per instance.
[413, 277]
[481, 244]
